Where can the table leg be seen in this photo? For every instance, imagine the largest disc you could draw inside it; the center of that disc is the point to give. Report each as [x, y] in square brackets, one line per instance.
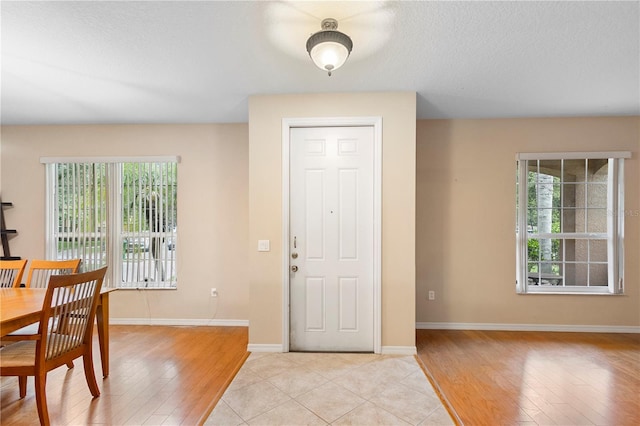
[102, 316]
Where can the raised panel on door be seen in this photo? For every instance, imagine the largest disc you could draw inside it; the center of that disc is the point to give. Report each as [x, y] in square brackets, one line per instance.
[348, 214]
[314, 231]
[315, 306]
[348, 287]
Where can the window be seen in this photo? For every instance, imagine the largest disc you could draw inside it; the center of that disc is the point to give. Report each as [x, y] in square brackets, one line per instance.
[570, 222]
[116, 212]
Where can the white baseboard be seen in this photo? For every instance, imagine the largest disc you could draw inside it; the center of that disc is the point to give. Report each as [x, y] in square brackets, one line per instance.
[526, 327]
[258, 347]
[180, 322]
[398, 350]
[386, 350]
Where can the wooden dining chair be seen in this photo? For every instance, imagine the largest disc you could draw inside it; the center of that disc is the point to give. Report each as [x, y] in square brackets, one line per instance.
[38, 277]
[41, 270]
[70, 303]
[11, 272]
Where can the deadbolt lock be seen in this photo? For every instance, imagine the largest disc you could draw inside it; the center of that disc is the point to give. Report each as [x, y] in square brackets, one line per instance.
[294, 255]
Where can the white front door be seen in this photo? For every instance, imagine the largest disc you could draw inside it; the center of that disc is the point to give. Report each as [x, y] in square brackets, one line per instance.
[332, 239]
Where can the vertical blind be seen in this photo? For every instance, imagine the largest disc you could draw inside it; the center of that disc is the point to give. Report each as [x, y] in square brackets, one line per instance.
[148, 224]
[80, 214]
[118, 213]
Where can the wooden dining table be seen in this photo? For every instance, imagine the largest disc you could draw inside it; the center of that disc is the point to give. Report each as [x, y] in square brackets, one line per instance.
[20, 307]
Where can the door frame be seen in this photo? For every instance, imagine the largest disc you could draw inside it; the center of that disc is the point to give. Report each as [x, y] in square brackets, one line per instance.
[376, 123]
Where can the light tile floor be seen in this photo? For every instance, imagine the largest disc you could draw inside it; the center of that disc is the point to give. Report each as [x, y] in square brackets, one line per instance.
[338, 389]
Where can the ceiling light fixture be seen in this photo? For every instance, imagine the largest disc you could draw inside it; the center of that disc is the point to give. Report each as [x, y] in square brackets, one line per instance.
[329, 48]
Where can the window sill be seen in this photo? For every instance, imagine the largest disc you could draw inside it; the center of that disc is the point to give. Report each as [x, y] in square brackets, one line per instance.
[146, 288]
[570, 293]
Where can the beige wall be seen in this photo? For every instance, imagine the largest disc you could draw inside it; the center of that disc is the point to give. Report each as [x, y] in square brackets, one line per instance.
[398, 112]
[465, 242]
[465, 218]
[212, 207]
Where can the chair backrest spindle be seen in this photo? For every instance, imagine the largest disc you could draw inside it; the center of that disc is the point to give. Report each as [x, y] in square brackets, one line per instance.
[41, 270]
[11, 272]
[70, 304]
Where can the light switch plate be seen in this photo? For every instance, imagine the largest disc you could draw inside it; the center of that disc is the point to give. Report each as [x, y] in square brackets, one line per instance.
[263, 245]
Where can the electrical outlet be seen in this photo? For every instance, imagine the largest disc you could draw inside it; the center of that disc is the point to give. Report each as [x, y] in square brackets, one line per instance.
[214, 292]
[432, 295]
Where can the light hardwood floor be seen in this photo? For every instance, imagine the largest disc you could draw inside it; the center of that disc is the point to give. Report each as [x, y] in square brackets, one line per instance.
[159, 375]
[172, 375]
[508, 378]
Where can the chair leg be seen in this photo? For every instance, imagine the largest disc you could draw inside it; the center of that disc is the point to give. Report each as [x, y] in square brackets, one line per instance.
[41, 399]
[70, 364]
[22, 385]
[90, 375]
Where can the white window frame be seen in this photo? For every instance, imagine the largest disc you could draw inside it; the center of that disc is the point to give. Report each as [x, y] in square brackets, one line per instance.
[615, 224]
[114, 233]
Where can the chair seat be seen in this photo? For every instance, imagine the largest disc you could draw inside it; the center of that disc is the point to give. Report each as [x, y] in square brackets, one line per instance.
[22, 352]
[18, 354]
[24, 331]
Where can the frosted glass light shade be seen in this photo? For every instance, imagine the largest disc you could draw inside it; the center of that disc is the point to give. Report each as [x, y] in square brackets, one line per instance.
[329, 49]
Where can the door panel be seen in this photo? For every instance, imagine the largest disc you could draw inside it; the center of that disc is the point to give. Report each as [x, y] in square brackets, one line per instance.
[348, 218]
[315, 307]
[314, 212]
[331, 229]
[348, 303]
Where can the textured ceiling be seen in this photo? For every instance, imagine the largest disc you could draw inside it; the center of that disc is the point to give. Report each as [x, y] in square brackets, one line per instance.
[198, 62]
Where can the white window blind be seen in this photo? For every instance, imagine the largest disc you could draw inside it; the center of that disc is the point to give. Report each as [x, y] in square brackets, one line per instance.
[79, 214]
[120, 213]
